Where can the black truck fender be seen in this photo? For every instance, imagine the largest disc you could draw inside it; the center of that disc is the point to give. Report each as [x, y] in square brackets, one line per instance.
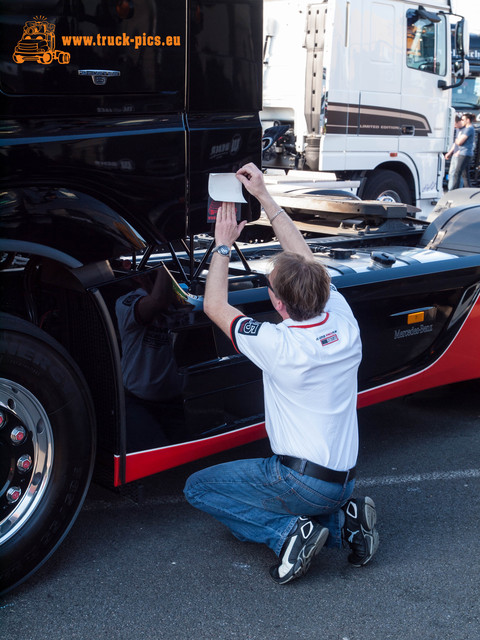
[67, 221]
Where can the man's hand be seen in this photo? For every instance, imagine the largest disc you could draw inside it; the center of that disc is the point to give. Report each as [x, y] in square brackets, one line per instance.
[227, 230]
[289, 236]
[216, 304]
[252, 179]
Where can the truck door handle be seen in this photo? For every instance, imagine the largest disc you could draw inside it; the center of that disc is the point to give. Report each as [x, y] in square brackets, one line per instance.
[99, 76]
[408, 129]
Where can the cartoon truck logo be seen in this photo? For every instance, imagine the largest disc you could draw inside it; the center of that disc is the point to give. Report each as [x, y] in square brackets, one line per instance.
[38, 43]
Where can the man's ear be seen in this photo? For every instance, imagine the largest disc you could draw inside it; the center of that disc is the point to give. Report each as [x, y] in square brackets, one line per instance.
[280, 308]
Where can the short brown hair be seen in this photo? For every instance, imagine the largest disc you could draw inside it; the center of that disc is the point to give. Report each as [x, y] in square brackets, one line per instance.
[303, 285]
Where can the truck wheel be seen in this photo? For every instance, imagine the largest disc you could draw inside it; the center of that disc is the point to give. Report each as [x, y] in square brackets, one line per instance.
[18, 59]
[387, 186]
[47, 442]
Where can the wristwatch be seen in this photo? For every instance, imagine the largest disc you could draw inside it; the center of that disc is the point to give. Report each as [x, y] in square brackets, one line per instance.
[223, 250]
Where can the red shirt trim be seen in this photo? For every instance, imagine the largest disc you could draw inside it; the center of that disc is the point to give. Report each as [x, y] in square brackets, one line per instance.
[232, 326]
[308, 326]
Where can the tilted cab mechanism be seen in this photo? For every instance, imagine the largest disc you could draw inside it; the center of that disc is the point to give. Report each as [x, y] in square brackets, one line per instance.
[332, 224]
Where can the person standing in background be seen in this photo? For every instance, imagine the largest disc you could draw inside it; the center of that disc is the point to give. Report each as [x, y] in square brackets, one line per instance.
[461, 153]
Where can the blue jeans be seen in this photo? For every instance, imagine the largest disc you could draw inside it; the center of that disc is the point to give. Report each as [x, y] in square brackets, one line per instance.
[260, 500]
[458, 169]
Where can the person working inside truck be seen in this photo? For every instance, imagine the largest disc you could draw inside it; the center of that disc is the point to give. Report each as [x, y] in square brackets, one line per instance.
[461, 153]
[153, 385]
[300, 498]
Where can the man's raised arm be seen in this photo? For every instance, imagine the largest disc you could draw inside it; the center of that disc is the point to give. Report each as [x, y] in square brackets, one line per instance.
[289, 236]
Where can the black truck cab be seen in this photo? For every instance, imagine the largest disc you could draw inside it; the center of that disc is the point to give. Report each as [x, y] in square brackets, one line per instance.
[113, 115]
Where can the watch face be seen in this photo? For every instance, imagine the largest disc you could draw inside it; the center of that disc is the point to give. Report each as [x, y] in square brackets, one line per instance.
[223, 250]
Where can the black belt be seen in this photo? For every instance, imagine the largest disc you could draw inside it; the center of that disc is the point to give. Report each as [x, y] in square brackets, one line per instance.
[316, 470]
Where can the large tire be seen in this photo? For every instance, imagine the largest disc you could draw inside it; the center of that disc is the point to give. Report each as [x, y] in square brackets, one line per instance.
[387, 186]
[47, 442]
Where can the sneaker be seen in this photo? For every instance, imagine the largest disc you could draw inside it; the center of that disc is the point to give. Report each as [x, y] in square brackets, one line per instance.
[359, 530]
[301, 546]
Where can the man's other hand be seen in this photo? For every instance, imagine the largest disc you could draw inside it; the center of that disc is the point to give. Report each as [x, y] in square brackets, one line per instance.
[227, 230]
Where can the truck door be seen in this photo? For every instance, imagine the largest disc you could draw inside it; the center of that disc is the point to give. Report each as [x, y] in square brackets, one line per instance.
[426, 62]
[224, 96]
[142, 42]
[104, 84]
[361, 98]
[374, 63]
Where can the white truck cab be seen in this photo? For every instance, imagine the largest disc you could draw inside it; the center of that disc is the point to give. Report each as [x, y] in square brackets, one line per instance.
[367, 96]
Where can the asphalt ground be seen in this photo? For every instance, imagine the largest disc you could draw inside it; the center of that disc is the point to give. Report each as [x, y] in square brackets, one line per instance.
[144, 564]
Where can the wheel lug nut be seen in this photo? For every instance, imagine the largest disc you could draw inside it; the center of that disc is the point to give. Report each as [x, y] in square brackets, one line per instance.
[3, 419]
[24, 463]
[13, 494]
[18, 435]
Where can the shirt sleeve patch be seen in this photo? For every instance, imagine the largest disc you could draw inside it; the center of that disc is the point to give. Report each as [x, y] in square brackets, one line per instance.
[249, 327]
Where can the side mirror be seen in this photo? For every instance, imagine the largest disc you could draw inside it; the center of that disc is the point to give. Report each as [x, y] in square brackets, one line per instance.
[462, 39]
[460, 67]
[427, 15]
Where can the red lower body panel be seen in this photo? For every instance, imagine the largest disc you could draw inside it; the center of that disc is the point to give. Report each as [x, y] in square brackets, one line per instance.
[460, 361]
[146, 463]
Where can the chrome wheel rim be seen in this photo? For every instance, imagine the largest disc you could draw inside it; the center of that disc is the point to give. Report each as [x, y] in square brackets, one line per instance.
[27, 448]
[389, 196]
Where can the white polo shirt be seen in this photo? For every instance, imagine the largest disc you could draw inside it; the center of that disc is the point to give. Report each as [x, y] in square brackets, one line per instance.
[310, 382]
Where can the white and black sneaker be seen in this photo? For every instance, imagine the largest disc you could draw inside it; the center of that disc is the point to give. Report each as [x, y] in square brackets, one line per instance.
[359, 530]
[301, 546]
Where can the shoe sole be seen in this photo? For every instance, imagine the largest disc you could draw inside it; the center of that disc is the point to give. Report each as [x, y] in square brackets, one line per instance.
[369, 520]
[308, 552]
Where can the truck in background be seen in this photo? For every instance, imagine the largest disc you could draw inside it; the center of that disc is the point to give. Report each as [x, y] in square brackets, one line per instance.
[466, 97]
[367, 96]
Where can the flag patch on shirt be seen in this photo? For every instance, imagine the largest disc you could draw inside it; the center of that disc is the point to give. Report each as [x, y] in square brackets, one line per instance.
[249, 327]
[328, 338]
